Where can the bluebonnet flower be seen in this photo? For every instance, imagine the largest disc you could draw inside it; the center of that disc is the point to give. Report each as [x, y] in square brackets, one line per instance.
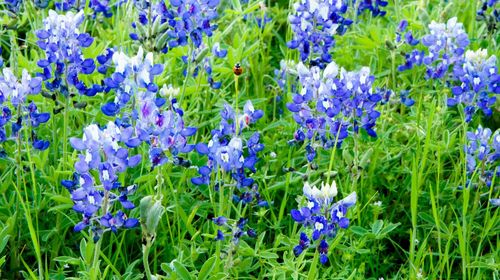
[322, 217]
[131, 76]
[374, 6]
[198, 56]
[490, 13]
[63, 44]
[162, 127]
[261, 18]
[445, 45]
[98, 6]
[406, 99]
[218, 53]
[177, 24]
[226, 149]
[385, 94]
[329, 106]
[15, 93]
[483, 155]
[478, 79]
[408, 35]
[236, 229]
[103, 152]
[1, 59]
[495, 202]
[153, 119]
[13, 5]
[314, 24]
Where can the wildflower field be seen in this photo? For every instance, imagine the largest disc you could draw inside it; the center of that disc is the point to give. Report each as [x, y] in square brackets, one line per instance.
[252, 139]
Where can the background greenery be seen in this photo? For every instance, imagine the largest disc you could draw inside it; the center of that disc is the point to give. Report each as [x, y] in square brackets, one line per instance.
[425, 227]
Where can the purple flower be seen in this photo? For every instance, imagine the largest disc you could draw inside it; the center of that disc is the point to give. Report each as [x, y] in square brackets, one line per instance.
[217, 51]
[234, 228]
[374, 6]
[132, 76]
[475, 83]
[405, 99]
[16, 92]
[303, 244]
[117, 221]
[103, 151]
[445, 45]
[323, 216]
[98, 6]
[181, 22]
[483, 155]
[63, 45]
[226, 149]
[330, 104]
[314, 25]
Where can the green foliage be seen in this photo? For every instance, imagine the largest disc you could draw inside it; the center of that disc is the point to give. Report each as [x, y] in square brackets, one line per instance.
[411, 220]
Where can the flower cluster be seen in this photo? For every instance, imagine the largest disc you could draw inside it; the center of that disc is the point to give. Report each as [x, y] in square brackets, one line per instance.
[98, 6]
[489, 6]
[198, 55]
[174, 26]
[321, 216]
[226, 150]
[261, 17]
[374, 6]
[15, 92]
[155, 120]
[314, 25]
[217, 52]
[445, 45]
[406, 100]
[329, 106]
[477, 76]
[236, 230]
[483, 155]
[132, 76]
[62, 42]
[162, 127]
[408, 39]
[14, 6]
[102, 152]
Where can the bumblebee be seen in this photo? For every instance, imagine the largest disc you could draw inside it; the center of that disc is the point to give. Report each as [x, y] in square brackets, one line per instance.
[237, 70]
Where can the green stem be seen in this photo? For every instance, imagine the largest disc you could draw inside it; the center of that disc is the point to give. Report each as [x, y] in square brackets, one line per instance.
[145, 258]
[95, 261]
[332, 155]
[97, 246]
[236, 105]
[191, 51]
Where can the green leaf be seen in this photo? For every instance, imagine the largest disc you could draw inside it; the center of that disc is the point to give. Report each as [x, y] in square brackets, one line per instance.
[268, 255]
[3, 243]
[83, 249]
[314, 267]
[358, 230]
[377, 226]
[67, 260]
[390, 227]
[207, 268]
[166, 268]
[181, 271]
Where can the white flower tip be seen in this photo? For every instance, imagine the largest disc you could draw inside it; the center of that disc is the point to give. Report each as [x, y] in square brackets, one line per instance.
[331, 70]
